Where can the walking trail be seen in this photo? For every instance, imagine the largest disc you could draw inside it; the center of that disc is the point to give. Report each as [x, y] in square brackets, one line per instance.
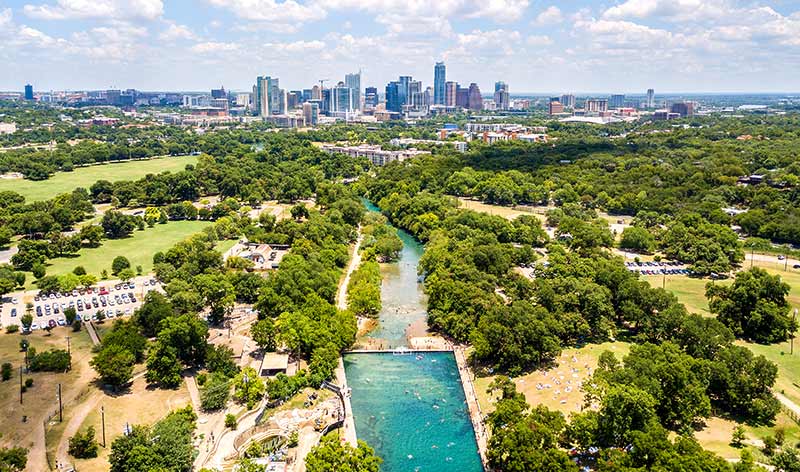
[355, 260]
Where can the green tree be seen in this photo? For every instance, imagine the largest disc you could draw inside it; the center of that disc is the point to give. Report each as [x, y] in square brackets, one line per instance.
[637, 239]
[218, 294]
[119, 264]
[126, 275]
[118, 225]
[248, 387]
[738, 436]
[264, 334]
[331, 454]
[215, 393]
[114, 364]
[754, 307]
[83, 445]
[13, 459]
[163, 366]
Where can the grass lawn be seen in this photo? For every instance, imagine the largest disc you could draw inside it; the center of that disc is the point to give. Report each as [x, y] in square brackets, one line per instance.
[564, 394]
[500, 210]
[39, 402]
[139, 248]
[62, 182]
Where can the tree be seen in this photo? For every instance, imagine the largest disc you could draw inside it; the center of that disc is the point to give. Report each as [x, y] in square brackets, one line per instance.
[126, 333]
[215, 393]
[118, 225]
[70, 314]
[114, 364]
[218, 294]
[248, 387]
[219, 359]
[7, 371]
[126, 275]
[163, 366]
[13, 459]
[83, 445]
[637, 239]
[264, 334]
[299, 211]
[230, 421]
[156, 307]
[331, 454]
[119, 264]
[754, 307]
[39, 270]
[738, 436]
[27, 321]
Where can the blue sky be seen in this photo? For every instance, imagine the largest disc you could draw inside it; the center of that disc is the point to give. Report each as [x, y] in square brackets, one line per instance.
[535, 46]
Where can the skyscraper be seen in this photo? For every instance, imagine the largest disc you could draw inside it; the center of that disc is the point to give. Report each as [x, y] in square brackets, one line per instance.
[450, 93]
[393, 102]
[651, 98]
[596, 105]
[683, 108]
[371, 97]
[28, 92]
[439, 77]
[404, 92]
[475, 98]
[268, 97]
[568, 100]
[353, 82]
[316, 93]
[616, 101]
[311, 113]
[501, 96]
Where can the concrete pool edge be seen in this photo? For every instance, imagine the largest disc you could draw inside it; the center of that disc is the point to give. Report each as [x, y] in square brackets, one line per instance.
[475, 414]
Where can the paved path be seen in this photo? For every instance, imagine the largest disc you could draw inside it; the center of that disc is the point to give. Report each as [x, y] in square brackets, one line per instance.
[92, 333]
[794, 407]
[355, 260]
[475, 414]
[349, 422]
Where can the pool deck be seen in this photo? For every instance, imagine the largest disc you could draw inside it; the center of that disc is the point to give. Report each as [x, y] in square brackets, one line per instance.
[349, 422]
[475, 414]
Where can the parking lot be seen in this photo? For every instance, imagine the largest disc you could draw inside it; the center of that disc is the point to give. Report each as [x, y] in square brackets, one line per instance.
[658, 268]
[114, 299]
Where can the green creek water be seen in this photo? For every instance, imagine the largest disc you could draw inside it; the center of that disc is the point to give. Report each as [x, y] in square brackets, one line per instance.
[411, 408]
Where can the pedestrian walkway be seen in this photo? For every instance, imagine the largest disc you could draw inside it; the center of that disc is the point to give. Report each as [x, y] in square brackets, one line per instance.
[92, 333]
[475, 414]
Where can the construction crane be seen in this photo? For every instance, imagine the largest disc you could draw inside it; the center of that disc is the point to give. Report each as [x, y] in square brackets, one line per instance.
[322, 83]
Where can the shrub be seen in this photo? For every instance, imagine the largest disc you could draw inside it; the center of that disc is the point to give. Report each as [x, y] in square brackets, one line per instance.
[29, 382]
[201, 378]
[119, 264]
[12, 328]
[230, 421]
[6, 371]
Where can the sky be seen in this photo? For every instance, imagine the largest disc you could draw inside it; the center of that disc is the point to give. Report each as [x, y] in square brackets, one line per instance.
[550, 46]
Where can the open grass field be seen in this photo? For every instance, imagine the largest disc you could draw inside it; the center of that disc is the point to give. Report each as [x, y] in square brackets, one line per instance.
[139, 248]
[717, 433]
[63, 182]
[559, 387]
[40, 401]
[500, 210]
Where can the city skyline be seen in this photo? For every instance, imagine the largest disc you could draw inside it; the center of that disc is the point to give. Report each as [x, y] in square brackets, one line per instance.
[681, 46]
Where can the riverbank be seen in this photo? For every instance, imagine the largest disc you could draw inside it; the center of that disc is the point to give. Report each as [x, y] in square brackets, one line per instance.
[475, 413]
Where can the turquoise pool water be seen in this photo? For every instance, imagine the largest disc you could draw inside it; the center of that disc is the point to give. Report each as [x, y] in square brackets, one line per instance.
[411, 409]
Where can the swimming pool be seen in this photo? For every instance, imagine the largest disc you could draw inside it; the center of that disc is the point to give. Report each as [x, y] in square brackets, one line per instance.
[411, 408]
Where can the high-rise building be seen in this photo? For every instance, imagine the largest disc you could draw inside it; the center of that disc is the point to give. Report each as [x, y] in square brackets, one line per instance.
[405, 83]
[651, 98]
[501, 96]
[28, 92]
[450, 93]
[219, 93]
[616, 101]
[306, 95]
[316, 92]
[596, 105]
[683, 108]
[555, 107]
[311, 113]
[353, 82]
[393, 99]
[462, 97]
[113, 97]
[475, 100]
[342, 100]
[568, 100]
[371, 97]
[439, 77]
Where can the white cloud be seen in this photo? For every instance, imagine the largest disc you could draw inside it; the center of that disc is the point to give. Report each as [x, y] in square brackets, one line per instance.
[296, 47]
[539, 41]
[549, 16]
[422, 26]
[212, 47]
[287, 11]
[667, 9]
[175, 31]
[5, 19]
[120, 9]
